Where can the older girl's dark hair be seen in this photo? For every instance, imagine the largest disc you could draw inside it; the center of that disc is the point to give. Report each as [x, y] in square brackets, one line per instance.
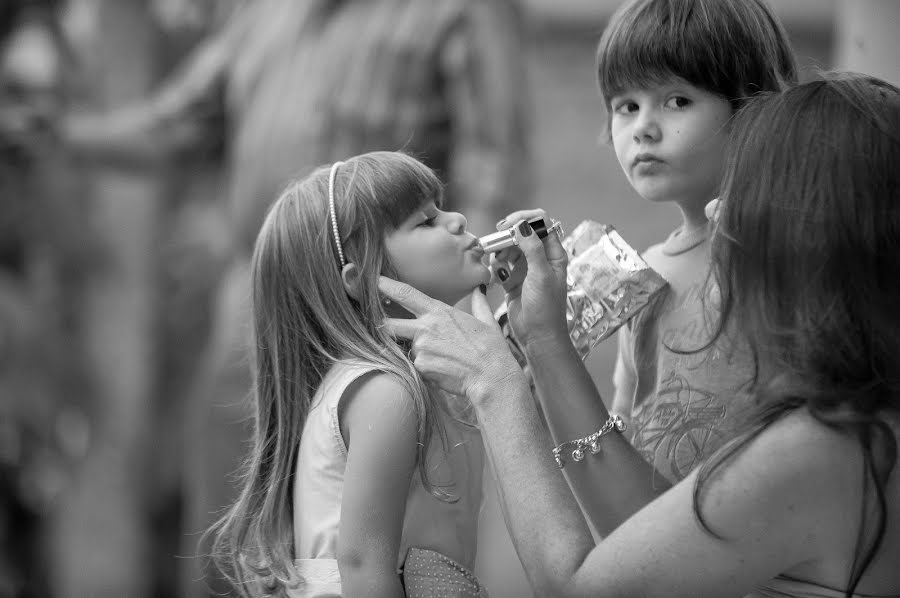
[733, 48]
[805, 258]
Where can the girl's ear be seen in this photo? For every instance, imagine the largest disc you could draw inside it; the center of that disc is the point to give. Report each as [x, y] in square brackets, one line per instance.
[350, 274]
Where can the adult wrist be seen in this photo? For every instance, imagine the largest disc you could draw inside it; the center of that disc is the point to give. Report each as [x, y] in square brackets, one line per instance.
[540, 343]
[490, 389]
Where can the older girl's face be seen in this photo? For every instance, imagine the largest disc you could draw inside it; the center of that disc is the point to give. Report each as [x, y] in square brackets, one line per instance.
[670, 139]
[432, 251]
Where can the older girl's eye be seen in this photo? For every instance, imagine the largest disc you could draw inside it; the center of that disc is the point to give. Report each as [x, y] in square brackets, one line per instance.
[626, 107]
[428, 221]
[678, 102]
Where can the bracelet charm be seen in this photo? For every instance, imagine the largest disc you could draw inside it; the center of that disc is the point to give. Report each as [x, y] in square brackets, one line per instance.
[591, 442]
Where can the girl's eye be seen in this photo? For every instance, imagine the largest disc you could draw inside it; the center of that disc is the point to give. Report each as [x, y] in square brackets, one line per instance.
[428, 221]
[677, 102]
[625, 107]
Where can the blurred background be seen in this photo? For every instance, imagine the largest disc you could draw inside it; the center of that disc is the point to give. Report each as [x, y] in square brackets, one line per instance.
[115, 240]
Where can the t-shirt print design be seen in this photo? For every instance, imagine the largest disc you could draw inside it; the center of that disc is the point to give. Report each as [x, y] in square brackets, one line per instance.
[680, 428]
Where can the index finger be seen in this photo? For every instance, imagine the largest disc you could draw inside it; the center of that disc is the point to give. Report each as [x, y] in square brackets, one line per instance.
[401, 328]
[413, 300]
[514, 217]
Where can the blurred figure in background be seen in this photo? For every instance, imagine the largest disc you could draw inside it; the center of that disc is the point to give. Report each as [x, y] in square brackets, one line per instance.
[40, 414]
[288, 85]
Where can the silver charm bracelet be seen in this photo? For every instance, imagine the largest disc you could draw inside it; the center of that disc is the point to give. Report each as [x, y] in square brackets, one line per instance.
[588, 443]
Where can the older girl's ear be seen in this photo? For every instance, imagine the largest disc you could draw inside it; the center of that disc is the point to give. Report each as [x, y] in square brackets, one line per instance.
[712, 210]
[351, 276]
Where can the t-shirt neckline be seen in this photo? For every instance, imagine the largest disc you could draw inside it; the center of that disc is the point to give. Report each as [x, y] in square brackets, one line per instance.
[680, 241]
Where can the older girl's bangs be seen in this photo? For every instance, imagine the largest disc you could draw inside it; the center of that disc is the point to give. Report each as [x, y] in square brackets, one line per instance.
[727, 48]
[645, 50]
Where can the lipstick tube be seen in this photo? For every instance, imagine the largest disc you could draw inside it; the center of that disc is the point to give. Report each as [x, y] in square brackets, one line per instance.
[507, 238]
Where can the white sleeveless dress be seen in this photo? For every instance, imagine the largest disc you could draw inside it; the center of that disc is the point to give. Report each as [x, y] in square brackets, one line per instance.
[438, 541]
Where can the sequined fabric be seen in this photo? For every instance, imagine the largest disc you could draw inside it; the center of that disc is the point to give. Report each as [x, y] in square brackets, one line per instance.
[425, 574]
[430, 574]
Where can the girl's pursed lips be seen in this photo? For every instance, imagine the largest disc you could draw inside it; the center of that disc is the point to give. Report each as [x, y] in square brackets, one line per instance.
[645, 157]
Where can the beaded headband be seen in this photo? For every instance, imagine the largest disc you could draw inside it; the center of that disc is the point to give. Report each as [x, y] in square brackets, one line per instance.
[334, 226]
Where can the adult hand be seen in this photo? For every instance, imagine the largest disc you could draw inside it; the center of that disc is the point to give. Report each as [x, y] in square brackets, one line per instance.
[533, 275]
[460, 353]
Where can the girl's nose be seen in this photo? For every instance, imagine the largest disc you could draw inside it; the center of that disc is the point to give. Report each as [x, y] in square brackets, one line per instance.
[646, 128]
[456, 223]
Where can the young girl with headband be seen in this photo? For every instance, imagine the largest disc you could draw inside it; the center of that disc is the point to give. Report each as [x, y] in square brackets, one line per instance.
[361, 478]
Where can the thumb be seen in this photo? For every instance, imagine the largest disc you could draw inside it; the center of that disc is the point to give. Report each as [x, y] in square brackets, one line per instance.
[481, 309]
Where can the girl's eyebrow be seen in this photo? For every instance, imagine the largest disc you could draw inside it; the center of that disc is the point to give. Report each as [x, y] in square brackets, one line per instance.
[424, 212]
[680, 87]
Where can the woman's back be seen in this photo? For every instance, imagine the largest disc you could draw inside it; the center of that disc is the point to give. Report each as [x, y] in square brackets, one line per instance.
[825, 577]
[884, 571]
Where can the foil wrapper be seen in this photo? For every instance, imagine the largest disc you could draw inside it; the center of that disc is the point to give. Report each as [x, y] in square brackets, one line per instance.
[607, 282]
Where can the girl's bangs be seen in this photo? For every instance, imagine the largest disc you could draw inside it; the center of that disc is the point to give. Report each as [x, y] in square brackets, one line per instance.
[411, 185]
[646, 53]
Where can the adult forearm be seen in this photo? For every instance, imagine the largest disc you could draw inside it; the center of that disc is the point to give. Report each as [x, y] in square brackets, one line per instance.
[613, 484]
[546, 525]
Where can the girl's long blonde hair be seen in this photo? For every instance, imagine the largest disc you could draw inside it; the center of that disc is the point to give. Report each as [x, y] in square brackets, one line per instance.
[303, 323]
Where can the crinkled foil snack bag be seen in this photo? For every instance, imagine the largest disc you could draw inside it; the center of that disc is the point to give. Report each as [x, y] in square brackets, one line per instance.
[607, 283]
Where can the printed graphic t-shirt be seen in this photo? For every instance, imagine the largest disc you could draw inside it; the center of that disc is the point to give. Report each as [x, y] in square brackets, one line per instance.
[680, 405]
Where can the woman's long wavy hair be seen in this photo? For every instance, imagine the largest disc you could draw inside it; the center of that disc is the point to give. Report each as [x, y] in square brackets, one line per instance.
[303, 323]
[805, 258]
